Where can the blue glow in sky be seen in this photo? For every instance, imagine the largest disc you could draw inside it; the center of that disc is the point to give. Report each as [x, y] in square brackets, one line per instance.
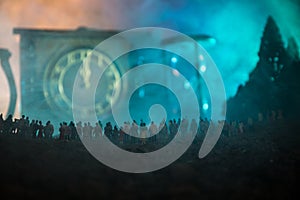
[236, 25]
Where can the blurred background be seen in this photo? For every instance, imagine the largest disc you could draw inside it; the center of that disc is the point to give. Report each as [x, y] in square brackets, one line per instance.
[235, 25]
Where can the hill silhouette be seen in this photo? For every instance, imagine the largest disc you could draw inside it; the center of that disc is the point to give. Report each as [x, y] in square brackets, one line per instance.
[263, 163]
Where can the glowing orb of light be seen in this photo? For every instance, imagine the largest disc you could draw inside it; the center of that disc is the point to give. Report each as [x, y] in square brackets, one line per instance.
[205, 106]
[187, 85]
[213, 41]
[174, 60]
[203, 68]
[175, 72]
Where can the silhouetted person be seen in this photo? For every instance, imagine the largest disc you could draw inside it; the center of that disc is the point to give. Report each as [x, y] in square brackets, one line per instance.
[84, 131]
[125, 132]
[73, 130]
[8, 125]
[115, 133]
[32, 129]
[153, 131]
[67, 131]
[15, 126]
[48, 130]
[100, 124]
[134, 132]
[40, 130]
[176, 125]
[27, 123]
[90, 130]
[36, 127]
[21, 126]
[79, 129]
[163, 130]
[121, 135]
[1, 123]
[87, 131]
[143, 132]
[172, 128]
[108, 130]
[61, 132]
[97, 130]
[241, 128]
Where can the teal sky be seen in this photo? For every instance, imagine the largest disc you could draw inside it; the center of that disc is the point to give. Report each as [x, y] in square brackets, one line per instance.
[237, 26]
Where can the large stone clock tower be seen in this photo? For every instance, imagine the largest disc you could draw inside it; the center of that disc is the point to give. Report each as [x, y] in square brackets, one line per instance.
[49, 60]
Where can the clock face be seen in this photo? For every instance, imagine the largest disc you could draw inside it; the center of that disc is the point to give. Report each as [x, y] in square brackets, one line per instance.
[60, 75]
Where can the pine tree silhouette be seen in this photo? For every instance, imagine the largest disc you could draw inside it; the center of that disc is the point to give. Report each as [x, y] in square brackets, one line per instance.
[272, 59]
[293, 50]
[272, 54]
[288, 81]
[260, 93]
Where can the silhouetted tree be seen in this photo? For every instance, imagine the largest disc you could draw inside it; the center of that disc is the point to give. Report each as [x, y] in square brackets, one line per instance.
[272, 59]
[260, 93]
[272, 54]
[288, 81]
[293, 49]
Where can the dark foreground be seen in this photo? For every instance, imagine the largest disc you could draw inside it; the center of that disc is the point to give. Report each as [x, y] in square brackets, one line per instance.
[260, 165]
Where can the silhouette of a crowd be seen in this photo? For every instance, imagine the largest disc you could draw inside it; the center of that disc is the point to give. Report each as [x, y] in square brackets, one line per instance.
[129, 132]
[24, 127]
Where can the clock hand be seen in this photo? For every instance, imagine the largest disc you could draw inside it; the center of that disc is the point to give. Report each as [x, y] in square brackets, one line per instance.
[85, 73]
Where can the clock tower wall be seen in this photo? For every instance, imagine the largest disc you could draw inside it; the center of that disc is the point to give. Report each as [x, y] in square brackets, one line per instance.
[39, 50]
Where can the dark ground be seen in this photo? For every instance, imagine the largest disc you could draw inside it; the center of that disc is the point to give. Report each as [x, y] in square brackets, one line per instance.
[260, 165]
